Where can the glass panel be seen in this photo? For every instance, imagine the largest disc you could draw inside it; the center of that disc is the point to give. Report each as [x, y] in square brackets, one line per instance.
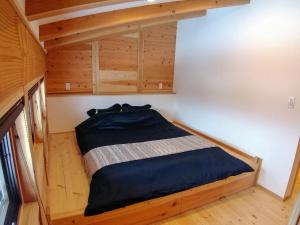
[43, 93]
[21, 128]
[3, 197]
[35, 112]
[9, 186]
[30, 110]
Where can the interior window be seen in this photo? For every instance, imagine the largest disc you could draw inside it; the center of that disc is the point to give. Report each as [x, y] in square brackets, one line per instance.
[9, 193]
[35, 110]
[10, 197]
[22, 141]
[43, 95]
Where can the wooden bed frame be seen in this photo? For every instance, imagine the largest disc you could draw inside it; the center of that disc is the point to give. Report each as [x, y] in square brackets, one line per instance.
[161, 208]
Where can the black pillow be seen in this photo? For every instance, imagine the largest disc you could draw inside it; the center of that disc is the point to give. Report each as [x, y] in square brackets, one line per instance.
[130, 108]
[114, 108]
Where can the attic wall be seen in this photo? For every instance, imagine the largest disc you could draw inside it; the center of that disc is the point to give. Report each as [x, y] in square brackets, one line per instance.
[118, 64]
[70, 65]
[159, 58]
[21, 57]
[235, 70]
[138, 62]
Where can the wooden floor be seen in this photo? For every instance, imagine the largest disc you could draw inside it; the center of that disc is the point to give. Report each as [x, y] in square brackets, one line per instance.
[69, 190]
[68, 182]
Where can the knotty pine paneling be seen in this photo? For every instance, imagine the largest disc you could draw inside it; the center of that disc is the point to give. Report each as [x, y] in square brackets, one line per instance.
[11, 53]
[158, 58]
[118, 64]
[119, 53]
[70, 65]
[35, 64]
[128, 63]
[21, 57]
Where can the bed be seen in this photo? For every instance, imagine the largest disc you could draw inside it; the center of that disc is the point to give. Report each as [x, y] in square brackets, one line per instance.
[143, 168]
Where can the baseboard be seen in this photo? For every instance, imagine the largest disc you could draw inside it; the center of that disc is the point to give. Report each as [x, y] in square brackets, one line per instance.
[270, 192]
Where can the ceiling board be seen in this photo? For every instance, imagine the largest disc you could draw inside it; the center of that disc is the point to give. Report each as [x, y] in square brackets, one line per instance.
[97, 10]
[37, 9]
[103, 33]
[128, 16]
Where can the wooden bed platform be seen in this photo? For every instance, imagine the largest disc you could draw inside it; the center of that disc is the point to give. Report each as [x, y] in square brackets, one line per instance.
[69, 189]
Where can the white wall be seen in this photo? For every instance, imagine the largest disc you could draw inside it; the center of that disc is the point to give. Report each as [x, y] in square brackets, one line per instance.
[65, 113]
[235, 69]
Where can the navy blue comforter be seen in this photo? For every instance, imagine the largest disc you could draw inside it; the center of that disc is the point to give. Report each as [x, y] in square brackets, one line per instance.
[122, 184]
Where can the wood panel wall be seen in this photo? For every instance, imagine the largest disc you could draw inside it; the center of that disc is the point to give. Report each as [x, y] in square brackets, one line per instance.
[126, 63]
[118, 64]
[21, 57]
[70, 65]
[159, 58]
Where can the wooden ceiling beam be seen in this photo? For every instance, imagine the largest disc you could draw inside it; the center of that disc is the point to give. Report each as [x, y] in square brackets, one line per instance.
[106, 32]
[129, 16]
[39, 9]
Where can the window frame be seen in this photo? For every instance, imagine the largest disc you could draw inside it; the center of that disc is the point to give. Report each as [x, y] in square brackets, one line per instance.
[8, 163]
[10, 177]
[35, 117]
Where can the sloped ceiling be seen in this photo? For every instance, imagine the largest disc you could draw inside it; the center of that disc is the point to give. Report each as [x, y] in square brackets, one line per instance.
[63, 22]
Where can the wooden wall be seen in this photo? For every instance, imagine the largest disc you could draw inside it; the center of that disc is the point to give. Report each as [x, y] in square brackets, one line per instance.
[70, 65]
[136, 62]
[159, 58]
[21, 57]
[118, 64]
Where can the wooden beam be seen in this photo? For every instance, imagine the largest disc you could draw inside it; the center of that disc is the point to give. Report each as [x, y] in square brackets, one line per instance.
[129, 16]
[38, 9]
[106, 32]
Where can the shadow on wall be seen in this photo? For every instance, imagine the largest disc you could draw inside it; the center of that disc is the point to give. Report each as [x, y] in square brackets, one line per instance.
[66, 112]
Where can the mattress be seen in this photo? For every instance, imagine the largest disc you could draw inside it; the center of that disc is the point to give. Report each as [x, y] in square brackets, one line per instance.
[136, 156]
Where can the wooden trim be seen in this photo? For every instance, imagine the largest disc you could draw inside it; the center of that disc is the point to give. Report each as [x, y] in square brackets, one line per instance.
[118, 30]
[294, 173]
[10, 101]
[18, 167]
[44, 130]
[37, 9]
[29, 131]
[95, 65]
[140, 60]
[269, 192]
[216, 141]
[25, 22]
[129, 16]
[33, 82]
[109, 93]
[295, 214]
[29, 214]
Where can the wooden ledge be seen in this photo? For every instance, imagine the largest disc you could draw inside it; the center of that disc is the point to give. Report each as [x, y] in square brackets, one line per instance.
[108, 94]
[29, 214]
